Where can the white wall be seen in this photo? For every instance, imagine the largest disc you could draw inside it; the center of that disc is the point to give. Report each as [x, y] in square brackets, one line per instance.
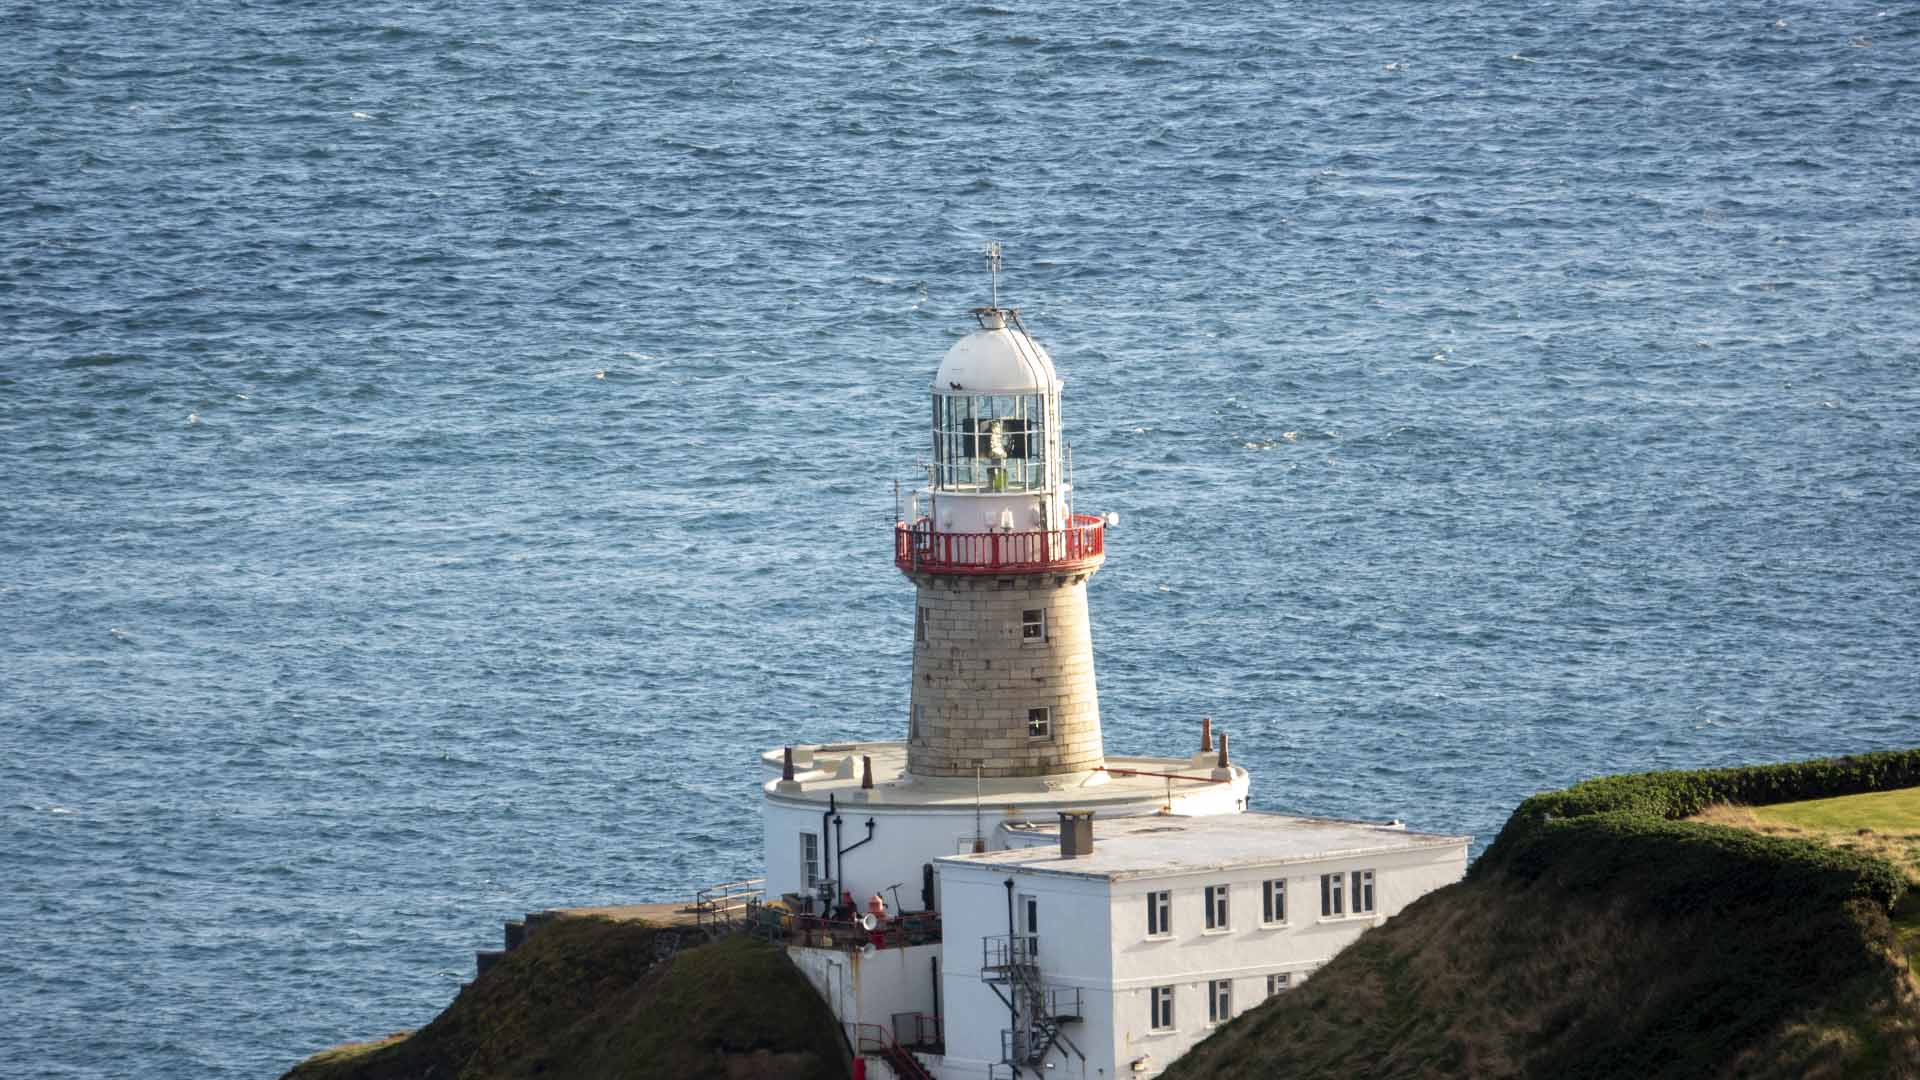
[868, 988]
[975, 906]
[1248, 951]
[906, 837]
[1074, 952]
[903, 841]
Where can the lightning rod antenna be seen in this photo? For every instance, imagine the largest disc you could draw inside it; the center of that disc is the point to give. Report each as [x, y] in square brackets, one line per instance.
[993, 268]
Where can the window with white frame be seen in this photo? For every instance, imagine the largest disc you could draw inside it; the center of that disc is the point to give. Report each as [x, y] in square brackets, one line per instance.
[1160, 914]
[1033, 625]
[1039, 723]
[810, 859]
[1332, 895]
[1278, 983]
[1160, 1008]
[1273, 901]
[1217, 907]
[1362, 881]
[1219, 1001]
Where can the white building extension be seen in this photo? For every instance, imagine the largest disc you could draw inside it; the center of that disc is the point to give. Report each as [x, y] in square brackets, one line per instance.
[1117, 960]
[817, 824]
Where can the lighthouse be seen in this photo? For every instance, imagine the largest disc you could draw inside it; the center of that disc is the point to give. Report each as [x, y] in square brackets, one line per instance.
[1003, 681]
[1003, 724]
[996, 895]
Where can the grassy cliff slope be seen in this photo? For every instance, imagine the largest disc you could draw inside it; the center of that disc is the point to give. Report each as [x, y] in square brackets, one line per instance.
[586, 998]
[1603, 935]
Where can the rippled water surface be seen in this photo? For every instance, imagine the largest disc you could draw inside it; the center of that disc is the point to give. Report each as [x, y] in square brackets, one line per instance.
[443, 442]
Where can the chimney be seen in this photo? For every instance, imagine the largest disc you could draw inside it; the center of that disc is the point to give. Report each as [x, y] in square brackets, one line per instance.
[1221, 771]
[1076, 833]
[866, 770]
[787, 783]
[1206, 734]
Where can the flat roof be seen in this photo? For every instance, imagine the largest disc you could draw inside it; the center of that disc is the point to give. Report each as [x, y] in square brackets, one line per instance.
[1165, 845]
[834, 768]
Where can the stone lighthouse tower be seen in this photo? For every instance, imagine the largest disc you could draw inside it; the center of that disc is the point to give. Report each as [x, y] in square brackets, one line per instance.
[1002, 650]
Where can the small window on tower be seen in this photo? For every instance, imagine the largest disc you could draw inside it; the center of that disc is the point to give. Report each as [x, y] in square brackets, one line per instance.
[920, 626]
[1033, 625]
[1039, 724]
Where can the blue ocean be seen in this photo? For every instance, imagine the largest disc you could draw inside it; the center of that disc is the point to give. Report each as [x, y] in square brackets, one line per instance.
[444, 443]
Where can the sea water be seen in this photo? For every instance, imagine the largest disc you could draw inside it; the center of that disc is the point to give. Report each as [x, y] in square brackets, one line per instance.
[444, 443]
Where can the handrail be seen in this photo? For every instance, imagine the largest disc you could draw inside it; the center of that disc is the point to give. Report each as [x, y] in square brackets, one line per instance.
[918, 546]
[868, 1038]
[720, 905]
[874, 1039]
[927, 1033]
[848, 935]
[999, 952]
[1161, 775]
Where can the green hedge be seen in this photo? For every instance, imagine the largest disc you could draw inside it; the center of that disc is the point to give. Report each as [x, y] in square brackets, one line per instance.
[1606, 826]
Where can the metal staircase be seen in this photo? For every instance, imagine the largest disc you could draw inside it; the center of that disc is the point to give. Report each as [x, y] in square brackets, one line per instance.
[905, 1065]
[878, 1041]
[1036, 1011]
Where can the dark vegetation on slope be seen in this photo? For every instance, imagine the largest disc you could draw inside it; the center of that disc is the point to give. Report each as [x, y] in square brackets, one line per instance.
[586, 998]
[1599, 936]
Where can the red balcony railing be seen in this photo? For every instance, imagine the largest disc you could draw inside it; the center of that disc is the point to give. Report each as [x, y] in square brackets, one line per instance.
[1081, 545]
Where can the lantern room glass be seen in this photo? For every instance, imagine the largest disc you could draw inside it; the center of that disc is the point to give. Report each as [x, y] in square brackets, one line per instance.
[989, 442]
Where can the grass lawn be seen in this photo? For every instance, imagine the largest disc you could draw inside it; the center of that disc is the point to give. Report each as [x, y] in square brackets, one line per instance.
[1896, 811]
[1885, 824]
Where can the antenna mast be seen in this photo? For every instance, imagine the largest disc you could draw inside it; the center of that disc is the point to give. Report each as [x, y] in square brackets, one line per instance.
[993, 268]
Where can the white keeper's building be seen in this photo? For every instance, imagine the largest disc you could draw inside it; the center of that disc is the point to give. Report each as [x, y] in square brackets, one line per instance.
[1050, 910]
[1135, 943]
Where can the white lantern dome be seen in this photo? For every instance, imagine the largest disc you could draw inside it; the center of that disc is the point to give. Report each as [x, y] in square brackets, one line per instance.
[996, 359]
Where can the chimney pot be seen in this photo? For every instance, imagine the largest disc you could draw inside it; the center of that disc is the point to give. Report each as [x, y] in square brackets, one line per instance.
[1223, 751]
[786, 769]
[1076, 833]
[1206, 734]
[866, 771]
